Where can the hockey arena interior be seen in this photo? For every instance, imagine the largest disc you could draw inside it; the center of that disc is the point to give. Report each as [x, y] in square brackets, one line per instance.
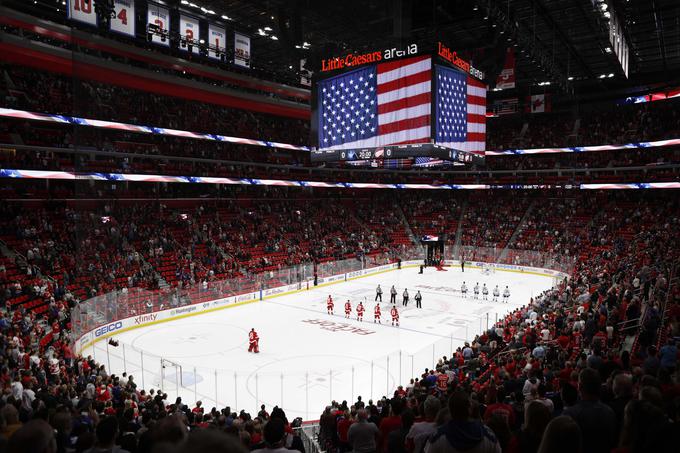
[374, 226]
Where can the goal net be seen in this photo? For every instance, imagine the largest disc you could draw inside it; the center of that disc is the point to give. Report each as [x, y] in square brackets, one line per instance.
[170, 377]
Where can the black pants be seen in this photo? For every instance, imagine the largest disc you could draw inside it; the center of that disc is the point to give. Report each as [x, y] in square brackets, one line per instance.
[393, 299]
[405, 302]
[378, 296]
[462, 266]
[418, 301]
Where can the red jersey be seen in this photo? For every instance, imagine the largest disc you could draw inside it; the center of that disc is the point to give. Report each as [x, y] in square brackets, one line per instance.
[442, 382]
[360, 308]
[252, 336]
[348, 307]
[377, 311]
[395, 313]
[329, 302]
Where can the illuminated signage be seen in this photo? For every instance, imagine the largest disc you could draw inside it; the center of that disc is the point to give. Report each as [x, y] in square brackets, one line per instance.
[352, 59]
[453, 58]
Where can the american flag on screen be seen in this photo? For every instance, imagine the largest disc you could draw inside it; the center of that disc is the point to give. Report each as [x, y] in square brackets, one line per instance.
[377, 105]
[460, 110]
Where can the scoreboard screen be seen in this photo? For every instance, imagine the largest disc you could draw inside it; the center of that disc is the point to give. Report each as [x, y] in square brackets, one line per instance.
[369, 101]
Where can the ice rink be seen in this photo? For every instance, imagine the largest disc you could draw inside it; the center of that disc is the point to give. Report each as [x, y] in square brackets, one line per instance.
[307, 357]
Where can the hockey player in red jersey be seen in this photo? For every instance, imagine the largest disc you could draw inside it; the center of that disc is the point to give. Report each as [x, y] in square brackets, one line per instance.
[376, 314]
[329, 305]
[395, 315]
[348, 309]
[360, 312]
[254, 341]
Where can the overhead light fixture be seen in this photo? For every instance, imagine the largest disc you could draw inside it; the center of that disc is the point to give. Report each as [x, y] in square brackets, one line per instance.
[261, 32]
[602, 76]
[475, 8]
[607, 14]
[226, 17]
[570, 78]
[185, 2]
[275, 38]
[611, 74]
[608, 49]
[268, 28]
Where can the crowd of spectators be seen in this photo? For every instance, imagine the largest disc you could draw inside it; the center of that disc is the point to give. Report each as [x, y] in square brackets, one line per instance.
[29, 89]
[554, 375]
[94, 150]
[615, 124]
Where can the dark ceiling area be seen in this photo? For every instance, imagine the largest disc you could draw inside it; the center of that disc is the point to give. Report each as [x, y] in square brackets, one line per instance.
[562, 43]
[565, 42]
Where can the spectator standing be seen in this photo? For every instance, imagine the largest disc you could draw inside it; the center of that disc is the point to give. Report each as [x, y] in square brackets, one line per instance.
[669, 356]
[363, 435]
[419, 432]
[596, 420]
[461, 433]
[392, 422]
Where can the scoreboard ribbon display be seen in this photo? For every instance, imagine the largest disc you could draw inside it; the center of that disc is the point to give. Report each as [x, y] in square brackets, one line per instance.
[394, 152]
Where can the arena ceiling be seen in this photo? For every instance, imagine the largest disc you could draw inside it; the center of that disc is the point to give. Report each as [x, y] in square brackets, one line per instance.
[554, 39]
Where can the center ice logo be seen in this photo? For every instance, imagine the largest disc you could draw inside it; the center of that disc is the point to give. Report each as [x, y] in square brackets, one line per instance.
[339, 327]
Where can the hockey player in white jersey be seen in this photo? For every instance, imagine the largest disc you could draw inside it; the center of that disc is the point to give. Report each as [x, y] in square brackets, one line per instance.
[476, 290]
[463, 290]
[485, 292]
[496, 293]
[506, 295]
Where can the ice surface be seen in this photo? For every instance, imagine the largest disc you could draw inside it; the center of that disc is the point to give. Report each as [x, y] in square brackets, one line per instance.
[308, 358]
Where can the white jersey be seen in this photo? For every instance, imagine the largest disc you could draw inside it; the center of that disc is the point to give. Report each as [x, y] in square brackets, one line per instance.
[463, 288]
[476, 289]
[506, 292]
[496, 292]
[485, 290]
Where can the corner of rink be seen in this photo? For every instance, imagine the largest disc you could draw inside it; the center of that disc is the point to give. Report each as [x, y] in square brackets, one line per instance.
[309, 357]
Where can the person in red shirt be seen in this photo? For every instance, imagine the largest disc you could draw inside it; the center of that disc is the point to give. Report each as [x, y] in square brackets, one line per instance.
[376, 314]
[390, 423]
[499, 407]
[360, 312]
[329, 305]
[442, 382]
[395, 315]
[198, 409]
[563, 340]
[103, 393]
[254, 341]
[344, 421]
[348, 309]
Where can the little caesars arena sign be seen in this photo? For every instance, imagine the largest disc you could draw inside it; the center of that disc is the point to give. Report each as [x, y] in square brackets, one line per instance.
[354, 59]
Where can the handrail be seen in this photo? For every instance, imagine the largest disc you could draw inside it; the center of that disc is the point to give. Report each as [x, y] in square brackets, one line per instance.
[310, 170]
